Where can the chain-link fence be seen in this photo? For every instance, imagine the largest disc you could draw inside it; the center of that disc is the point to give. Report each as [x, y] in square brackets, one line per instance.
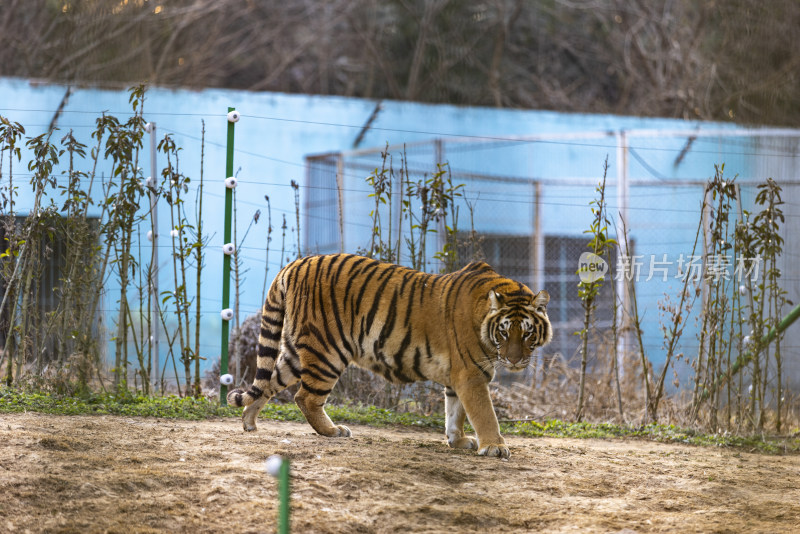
[525, 209]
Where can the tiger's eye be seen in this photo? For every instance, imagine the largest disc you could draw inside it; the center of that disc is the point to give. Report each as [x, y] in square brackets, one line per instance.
[502, 330]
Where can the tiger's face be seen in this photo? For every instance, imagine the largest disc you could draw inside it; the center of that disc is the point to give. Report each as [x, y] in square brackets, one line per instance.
[514, 327]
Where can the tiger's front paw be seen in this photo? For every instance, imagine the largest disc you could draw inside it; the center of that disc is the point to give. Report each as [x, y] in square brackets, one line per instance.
[499, 450]
[463, 442]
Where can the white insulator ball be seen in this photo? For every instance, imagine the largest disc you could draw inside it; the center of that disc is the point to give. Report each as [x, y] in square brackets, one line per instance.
[234, 116]
[226, 314]
[174, 232]
[226, 379]
[149, 235]
[231, 182]
[228, 249]
[743, 290]
[149, 127]
[273, 465]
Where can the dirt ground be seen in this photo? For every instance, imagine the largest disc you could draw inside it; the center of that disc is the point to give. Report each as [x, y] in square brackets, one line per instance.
[129, 475]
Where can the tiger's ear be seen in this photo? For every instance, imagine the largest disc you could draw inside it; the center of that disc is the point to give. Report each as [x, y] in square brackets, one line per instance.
[540, 301]
[495, 301]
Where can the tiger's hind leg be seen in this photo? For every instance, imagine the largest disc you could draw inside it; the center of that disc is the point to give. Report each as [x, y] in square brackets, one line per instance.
[318, 378]
[285, 374]
[454, 426]
[269, 344]
[250, 413]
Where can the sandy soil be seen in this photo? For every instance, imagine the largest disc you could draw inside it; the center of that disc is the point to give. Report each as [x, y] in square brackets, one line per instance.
[120, 474]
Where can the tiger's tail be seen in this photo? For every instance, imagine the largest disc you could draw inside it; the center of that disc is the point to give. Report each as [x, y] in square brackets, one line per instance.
[269, 341]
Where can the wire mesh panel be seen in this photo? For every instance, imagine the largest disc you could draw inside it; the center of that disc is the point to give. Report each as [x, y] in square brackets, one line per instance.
[42, 299]
[323, 229]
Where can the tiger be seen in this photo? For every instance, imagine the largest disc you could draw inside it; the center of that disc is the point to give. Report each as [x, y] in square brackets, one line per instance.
[324, 312]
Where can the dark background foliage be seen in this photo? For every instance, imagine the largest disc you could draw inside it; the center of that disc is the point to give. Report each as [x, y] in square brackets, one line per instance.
[723, 60]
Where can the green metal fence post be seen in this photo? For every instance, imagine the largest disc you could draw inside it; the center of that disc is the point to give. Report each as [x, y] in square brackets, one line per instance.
[283, 492]
[278, 467]
[226, 261]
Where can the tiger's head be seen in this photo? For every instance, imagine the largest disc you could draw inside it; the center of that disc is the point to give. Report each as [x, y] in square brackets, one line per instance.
[514, 327]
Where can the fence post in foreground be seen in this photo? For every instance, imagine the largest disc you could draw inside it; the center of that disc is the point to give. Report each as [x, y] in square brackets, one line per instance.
[278, 467]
